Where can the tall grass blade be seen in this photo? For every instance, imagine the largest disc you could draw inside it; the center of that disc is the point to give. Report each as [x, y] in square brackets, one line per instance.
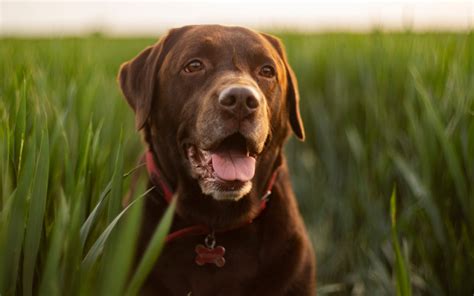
[15, 226]
[77, 206]
[96, 249]
[5, 154]
[153, 250]
[98, 209]
[36, 214]
[52, 273]
[402, 276]
[115, 201]
[111, 262]
[95, 214]
[20, 127]
[120, 253]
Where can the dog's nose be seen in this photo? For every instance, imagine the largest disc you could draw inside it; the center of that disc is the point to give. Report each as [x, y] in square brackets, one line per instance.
[239, 100]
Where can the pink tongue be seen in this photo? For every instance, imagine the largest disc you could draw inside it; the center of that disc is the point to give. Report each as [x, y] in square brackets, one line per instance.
[233, 165]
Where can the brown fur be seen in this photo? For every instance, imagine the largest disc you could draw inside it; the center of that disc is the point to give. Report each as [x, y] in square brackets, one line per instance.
[271, 256]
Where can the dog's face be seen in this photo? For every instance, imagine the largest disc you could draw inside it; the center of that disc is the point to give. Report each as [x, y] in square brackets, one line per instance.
[222, 94]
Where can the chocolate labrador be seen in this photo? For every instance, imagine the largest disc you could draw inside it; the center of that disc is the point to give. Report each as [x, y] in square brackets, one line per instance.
[215, 105]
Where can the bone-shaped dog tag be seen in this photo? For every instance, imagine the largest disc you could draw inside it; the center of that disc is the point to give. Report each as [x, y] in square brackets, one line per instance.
[205, 255]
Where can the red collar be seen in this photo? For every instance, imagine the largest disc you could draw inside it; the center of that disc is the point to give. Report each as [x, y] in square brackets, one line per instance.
[157, 178]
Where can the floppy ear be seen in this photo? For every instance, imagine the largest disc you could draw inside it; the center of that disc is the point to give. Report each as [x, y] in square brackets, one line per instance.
[137, 79]
[292, 93]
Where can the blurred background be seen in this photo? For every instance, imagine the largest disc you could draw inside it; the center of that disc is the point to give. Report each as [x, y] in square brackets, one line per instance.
[385, 179]
[147, 18]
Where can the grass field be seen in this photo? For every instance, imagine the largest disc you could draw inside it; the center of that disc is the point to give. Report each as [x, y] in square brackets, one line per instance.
[381, 111]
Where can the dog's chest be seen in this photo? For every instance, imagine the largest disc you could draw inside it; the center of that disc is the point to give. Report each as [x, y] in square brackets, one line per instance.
[178, 271]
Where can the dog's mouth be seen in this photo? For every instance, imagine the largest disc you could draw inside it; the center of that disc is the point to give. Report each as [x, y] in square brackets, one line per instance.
[224, 171]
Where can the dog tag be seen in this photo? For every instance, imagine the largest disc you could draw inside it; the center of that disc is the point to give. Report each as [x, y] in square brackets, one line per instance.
[209, 254]
[205, 255]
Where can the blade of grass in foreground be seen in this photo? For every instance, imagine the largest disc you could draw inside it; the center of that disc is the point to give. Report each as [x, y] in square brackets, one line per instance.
[110, 272]
[20, 127]
[15, 226]
[402, 277]
[36, 215]
[5, 151]
[119, 253]
[95, 214]
[98, 246]
[115, 199]
[153, 250]
[77, 208]
[50, 276]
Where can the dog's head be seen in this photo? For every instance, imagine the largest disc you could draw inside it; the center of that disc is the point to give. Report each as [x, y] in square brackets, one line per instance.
[219, 99]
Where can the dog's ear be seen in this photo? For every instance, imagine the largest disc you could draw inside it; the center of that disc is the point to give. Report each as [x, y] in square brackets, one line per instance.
[292, 93]
[138, 78]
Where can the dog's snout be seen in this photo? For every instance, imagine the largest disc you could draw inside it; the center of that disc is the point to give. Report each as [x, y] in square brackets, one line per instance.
[239, 100]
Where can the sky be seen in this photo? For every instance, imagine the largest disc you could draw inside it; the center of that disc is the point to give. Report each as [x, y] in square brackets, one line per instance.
[145, 17]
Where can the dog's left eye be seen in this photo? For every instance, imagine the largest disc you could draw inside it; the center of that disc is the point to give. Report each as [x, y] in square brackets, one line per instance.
[267, 71]
[193, 66]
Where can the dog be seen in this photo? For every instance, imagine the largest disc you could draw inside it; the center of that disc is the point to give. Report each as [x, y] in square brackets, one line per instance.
[215, 105]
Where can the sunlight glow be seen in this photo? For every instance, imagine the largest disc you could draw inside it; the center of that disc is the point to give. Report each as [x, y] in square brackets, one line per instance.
[152, 17]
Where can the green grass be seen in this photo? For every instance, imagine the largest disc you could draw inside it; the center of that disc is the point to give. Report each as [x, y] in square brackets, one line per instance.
[380, 110]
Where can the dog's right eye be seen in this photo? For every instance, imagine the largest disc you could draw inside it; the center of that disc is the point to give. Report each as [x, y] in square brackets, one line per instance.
[267, 71]
[193, 66]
